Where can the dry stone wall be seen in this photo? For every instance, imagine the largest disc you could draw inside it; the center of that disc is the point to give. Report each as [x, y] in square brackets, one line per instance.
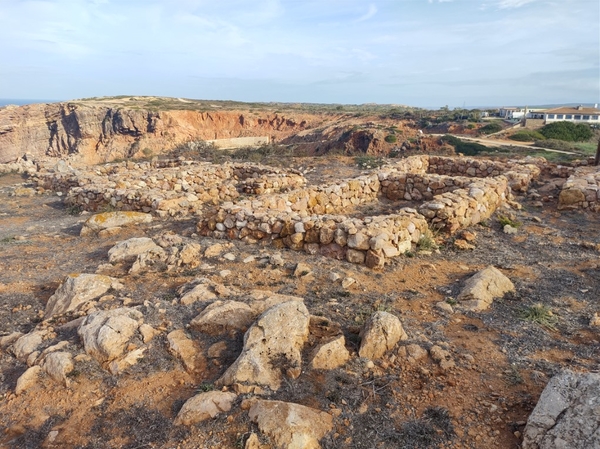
[256, 203]
[581, 190]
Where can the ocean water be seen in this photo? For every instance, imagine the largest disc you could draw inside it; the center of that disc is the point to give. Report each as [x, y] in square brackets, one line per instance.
[21, 102]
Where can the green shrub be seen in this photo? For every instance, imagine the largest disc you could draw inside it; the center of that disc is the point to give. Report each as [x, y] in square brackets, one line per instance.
[466, 148]
[390, 138]
[554, 144]
[504, 220]
[527, 135]
[567, 131]
[491, 128]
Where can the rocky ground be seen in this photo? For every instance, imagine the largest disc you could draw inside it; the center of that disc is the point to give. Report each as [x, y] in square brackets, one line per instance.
[455, 378]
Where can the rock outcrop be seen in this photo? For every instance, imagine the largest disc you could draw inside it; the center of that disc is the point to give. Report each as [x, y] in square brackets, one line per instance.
[272, 347]
[567, 414]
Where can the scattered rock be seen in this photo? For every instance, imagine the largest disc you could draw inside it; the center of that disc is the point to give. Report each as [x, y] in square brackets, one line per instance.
[105, 334]
[415, 353]
[443, 306]
[204, 406]
[442, 357]
[129, 250]
[463, 244]
[185, 348]
[77, 290]
[481, 289]
[201, 292]
[224, 316]
[148, 332]
[567, 414]
[272, 346]
[595, 320]
[302, 270]
[28, 379]
[380, 334]
[190, 254]
[107, 220]
[348, 281]
[330, 355]
[214, 250]
[27, 344]
[57, 365]
[508, 229]
[291, 426]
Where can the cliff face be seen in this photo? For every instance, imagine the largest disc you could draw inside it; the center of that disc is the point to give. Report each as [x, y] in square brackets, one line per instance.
[101, 133]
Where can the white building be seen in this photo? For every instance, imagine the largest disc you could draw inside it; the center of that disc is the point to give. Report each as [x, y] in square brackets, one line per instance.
[577, 114]
[511, 113]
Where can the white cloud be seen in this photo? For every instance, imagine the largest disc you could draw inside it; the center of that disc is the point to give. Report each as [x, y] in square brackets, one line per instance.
[512, 4]
[370, 13]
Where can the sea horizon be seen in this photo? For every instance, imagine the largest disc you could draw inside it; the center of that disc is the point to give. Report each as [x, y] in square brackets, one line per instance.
[23, 101]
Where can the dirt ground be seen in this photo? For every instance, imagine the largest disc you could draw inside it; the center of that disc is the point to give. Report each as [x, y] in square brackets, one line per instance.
[501, 360]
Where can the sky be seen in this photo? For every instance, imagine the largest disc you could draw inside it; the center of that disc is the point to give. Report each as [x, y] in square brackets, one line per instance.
[425, 53]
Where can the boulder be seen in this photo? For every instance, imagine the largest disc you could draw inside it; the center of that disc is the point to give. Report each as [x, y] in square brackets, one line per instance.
[129, 250]
[330, 355]
[107, 220]
[481, 289]
[380, 334]
[190, 254]
[567, 415]
[28, 344]
[272, 346]
[201, 292]
[57, 365]
[291, 426]
[204, 406]
[105, 334]
[570, 198]
[185, 348]
[77, 290]
[224, 316]
[28, 379]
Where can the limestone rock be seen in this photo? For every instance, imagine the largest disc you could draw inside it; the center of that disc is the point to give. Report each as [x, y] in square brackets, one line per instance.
[330, 355]
[569, 198]
[9, 339]
[201, 292]
[105, 334]
[204, 406]
[57, 365]
[77, 290]
[224, 316]
[190, 254]
[302, 270]
[185, 348]
[128, 250]
[481, 289]
[442, 357]
[148, 332]
[28, 379]
[291, 426]
[263, 300]
[272, 344]
[106, 220]
[27, 344]
[214, 250]
[567, 414]
[380, 334]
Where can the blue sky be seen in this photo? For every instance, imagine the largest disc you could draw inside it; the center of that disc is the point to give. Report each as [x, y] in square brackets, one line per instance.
[427, 53]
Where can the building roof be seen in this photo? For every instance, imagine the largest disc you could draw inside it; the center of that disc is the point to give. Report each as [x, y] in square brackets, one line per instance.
[572, 110]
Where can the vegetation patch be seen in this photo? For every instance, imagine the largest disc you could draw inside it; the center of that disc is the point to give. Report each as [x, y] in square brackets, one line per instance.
[466, 148]
[491, 128]
[526, 135]
[540, 314]
[567, 131]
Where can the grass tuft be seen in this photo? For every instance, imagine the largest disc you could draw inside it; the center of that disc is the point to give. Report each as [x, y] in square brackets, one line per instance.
[540, 314]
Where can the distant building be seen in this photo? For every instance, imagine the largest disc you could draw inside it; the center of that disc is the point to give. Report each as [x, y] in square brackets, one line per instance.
[578, 114]
[511, 113]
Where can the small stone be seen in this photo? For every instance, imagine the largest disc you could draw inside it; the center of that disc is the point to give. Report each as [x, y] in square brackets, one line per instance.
[508, 229]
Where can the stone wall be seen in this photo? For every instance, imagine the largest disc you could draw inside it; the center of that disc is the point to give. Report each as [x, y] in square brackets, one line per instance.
[581, 190]
[171, 187]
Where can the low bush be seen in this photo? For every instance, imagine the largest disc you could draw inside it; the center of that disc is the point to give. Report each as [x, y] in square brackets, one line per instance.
[567, 131]
[466, 148]
[526, 135]
[554, 144]
[390, 138]
[491, 128]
